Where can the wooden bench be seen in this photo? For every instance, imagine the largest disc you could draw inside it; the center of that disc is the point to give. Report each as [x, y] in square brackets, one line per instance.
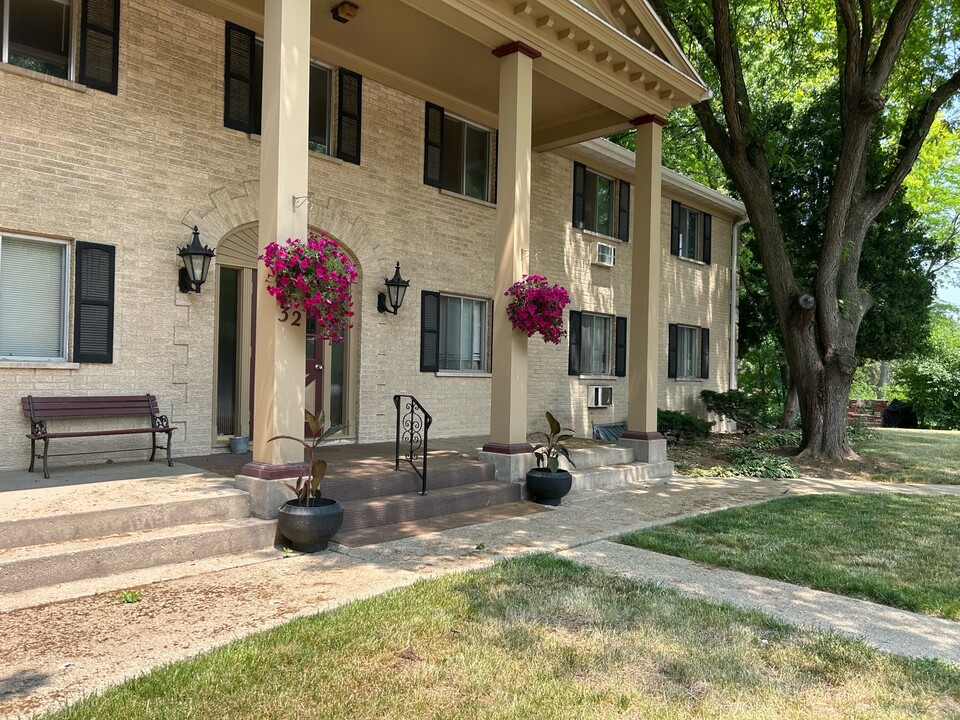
[40, 409]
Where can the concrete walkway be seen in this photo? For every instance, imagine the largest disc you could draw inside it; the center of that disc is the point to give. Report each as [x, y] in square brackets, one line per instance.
[54, 652]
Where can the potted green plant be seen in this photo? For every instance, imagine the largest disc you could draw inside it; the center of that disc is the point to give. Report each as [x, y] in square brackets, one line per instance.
[308, 521]
[547, 483]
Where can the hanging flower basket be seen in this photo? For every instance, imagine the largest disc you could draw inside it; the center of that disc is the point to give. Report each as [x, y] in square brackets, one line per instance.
[537, 307]
[314, 277]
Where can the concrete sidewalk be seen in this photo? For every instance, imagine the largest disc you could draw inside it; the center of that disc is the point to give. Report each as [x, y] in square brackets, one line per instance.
[57, 652]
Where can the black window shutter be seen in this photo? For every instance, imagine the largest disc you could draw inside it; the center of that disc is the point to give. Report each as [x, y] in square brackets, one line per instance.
[704, 353]
[623, 214]
[100, 44]
[238, 72]
[579, 183]
[348, 120]
[674, 228]
[672, 351]
[573, 363]
[620, 356]
[429, 331]
[707, 236]
[433, 146]
[93, 304]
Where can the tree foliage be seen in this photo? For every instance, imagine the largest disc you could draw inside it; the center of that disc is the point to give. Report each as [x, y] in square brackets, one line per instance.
[887, 67]
[931, 379]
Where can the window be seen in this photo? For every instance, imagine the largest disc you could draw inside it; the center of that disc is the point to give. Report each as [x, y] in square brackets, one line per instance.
[457, 155]
[690, 233]
[454, 333]
[688, 354]
[601, 204]
[598, 344]
[38, 35]
[33, 298]
[244, 88]
[595, 344]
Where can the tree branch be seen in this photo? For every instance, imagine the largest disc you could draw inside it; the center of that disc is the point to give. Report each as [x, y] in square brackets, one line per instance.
[915, 130]
[891, 44]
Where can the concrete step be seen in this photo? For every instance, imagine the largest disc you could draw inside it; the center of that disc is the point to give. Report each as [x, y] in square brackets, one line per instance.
[23, 568]
[379, 481]
[141, 578]
[64, 526]
[597, 456]
[621, 474]
[393, 509]
[386, 533]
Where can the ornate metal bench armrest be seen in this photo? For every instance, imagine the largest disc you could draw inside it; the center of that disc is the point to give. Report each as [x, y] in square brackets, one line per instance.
[161, 422]
[38, 427]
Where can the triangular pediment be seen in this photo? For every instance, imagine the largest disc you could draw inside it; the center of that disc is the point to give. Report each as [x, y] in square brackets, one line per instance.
[638, 21]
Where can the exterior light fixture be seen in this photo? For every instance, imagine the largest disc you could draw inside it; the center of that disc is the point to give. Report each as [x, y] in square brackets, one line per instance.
[344, 12]
[396, 289]
[196, 264]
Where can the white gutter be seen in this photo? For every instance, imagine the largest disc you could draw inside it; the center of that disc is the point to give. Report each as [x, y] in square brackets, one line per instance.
[734, 300]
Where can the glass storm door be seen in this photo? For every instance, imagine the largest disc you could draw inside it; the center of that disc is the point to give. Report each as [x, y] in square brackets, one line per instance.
[314, 374]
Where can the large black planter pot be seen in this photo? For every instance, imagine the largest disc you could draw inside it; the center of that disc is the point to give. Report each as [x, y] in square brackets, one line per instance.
[308, 528]
[548, 487]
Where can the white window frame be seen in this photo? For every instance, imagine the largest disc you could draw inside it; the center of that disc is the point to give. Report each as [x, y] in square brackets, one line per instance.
[488, 186]
[685, 213]
[484, 352]
[65, 290]
[585, 350]
[330, 100]
[694, 332]
[74, 31]
[614, 209]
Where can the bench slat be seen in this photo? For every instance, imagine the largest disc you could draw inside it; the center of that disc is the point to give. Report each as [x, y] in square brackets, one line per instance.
[53, 407]
[94, 433]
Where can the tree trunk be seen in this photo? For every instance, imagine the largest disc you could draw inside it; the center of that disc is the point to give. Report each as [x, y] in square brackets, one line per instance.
[884, 378]
[791, 408]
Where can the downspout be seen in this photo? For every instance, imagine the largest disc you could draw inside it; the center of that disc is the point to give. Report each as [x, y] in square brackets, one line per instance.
[734, 301]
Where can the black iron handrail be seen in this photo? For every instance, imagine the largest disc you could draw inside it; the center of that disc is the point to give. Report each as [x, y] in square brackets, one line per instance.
[415, 421]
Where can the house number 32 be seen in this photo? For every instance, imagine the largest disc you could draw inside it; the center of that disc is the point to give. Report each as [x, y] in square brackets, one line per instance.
[285, 316]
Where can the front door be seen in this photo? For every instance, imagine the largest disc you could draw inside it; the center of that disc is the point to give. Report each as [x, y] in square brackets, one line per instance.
[314, 373]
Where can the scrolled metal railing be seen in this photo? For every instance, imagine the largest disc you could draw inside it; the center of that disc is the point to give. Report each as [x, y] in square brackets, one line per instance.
[413, 424]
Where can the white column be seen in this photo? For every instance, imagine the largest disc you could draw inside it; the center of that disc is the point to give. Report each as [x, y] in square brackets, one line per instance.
[644, 335]
[280, 347]
[508, 402]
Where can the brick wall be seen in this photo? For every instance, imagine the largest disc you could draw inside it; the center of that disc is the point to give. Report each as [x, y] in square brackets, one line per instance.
[138, 169]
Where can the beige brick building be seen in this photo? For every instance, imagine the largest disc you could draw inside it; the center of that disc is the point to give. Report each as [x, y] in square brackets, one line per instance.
[83, 168]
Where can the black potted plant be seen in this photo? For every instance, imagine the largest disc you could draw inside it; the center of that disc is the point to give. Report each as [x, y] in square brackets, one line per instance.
[547, 483]
[309, 520]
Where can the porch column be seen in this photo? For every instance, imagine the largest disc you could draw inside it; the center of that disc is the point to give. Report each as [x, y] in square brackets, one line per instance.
[508, 448]
[280, 347]
[644, 336]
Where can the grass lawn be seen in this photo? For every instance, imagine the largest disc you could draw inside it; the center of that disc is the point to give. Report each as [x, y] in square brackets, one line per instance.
[923, 456]
[896, 549]
[536, 638]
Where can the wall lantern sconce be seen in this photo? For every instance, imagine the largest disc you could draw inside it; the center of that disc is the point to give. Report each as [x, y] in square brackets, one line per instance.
[344, 12]
[196, 264]
[396, 289]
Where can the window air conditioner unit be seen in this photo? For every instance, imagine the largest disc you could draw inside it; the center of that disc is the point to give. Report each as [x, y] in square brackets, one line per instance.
[606, 255]
[599, 396]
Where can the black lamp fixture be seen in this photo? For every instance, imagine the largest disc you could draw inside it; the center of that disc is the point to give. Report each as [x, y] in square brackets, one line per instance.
[396, 289]
[196, 264]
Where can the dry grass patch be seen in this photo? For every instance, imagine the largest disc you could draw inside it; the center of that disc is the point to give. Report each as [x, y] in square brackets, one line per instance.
[538, 638]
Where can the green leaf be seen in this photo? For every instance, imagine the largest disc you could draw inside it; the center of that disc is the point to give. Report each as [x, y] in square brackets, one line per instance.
[553, 464]
[552, 422]
[317, 470]
[333, 430]
[290, 437]
[313, 423]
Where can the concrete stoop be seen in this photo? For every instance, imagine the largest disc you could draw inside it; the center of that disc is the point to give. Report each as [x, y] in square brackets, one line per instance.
[50, 553]
[620, 474]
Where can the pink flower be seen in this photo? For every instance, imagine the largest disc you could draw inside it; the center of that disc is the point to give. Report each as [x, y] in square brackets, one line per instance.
[537, 307]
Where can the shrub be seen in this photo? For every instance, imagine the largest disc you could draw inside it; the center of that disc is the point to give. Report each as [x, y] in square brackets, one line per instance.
[778, 438]
[682, 425]
[750, 462]
[745, 409]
